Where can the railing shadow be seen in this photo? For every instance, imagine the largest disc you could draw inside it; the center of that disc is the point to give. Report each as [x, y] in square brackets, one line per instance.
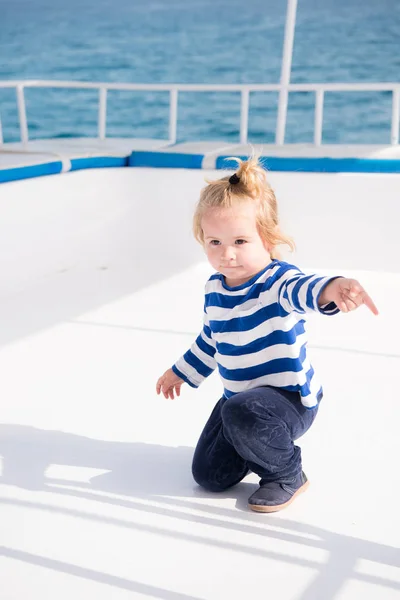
[138, 472]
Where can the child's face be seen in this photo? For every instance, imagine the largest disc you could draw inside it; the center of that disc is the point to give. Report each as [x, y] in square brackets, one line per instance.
[232, 242]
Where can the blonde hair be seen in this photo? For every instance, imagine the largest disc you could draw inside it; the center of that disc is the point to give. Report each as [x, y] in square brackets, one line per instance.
[252, 186]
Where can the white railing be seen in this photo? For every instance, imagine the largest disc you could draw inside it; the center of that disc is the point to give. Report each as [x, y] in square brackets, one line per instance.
[244, 89]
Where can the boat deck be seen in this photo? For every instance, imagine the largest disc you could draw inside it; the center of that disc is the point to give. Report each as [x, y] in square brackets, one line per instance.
[101, 291]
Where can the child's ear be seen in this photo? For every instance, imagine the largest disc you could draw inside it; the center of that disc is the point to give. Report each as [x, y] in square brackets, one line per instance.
[268, 246]
[274, 233]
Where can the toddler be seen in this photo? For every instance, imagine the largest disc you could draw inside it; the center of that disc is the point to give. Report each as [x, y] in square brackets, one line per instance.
[254, 333]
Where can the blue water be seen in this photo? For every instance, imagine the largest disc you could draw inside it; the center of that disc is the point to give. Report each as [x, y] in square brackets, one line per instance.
[202, 41]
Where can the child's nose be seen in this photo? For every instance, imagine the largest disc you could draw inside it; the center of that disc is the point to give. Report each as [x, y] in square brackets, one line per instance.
[228, 253]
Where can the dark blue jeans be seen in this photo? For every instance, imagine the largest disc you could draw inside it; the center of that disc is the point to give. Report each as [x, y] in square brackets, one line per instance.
[252, 430]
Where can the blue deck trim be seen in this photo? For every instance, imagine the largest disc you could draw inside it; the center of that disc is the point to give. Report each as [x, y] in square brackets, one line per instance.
[319, 165]
[167, 160]
[174, 160]
[28, 171]
[98, 162]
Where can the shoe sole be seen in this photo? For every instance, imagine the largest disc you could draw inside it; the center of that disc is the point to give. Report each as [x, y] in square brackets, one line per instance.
[271, 509]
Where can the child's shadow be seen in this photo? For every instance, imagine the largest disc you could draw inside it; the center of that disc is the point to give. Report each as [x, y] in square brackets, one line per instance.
[134, 469]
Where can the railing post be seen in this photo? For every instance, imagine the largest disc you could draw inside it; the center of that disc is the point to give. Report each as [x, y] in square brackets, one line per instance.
[173, 114]
[285, 71]
[102, 122]
[244, 115]
[395, 116]
[23, 124]
[318, 117]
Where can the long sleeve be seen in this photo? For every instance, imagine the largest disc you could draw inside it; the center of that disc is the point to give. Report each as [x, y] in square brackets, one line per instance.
[300, 293]
[198, 362]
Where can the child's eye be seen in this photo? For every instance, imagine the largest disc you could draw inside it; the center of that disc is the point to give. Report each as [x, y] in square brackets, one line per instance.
[214, 242]
[240, 242]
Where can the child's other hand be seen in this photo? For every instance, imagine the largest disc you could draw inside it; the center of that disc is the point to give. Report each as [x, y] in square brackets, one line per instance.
[168, 384]
[348, 294]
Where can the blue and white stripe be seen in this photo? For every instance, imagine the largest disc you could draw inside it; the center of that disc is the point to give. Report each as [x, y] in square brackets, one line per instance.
[255, 333]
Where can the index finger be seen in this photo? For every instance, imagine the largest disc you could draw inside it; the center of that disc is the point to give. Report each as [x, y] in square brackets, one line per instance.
[367, 300]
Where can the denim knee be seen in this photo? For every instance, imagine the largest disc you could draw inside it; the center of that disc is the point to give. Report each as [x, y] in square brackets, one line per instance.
[236, 415]
[231, 409]
[202, 476]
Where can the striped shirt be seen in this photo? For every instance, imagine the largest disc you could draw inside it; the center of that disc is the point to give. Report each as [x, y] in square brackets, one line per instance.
[255, 333]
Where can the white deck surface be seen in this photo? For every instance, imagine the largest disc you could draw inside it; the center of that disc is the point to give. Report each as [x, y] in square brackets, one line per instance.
[101, 290]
